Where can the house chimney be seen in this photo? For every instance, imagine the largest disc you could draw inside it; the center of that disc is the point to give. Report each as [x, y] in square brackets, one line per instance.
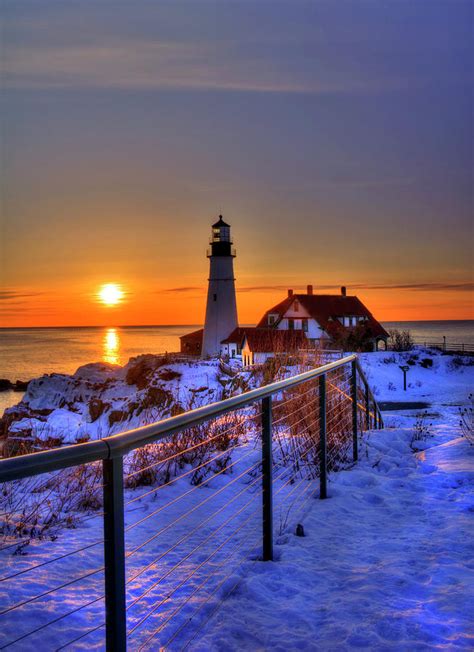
[343, 291]
[310, 289]
[290, 293]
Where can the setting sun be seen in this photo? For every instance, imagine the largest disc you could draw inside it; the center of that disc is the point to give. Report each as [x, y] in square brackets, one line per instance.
[110, 294]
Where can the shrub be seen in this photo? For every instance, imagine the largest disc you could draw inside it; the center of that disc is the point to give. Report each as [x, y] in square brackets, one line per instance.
[466, 422]
[421, 430]
[401, 340]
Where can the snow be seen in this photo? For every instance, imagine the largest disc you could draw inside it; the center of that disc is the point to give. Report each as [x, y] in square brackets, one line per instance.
[447, 379]
[58, 406]
[385, 563]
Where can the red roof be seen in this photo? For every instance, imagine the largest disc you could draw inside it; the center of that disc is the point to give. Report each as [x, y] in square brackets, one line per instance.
[236, 336]
[194, 336]
[325, 309]
[271, 340]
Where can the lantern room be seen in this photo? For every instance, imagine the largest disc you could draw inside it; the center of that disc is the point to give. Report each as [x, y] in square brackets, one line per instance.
[221, 243]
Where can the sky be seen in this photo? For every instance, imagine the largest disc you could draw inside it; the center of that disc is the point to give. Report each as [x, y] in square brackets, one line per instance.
[336, 137]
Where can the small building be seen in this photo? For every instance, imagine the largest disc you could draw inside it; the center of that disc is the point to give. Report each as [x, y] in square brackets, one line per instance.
[260, 344]
[327, 318]
[231, 347]
[191, 343]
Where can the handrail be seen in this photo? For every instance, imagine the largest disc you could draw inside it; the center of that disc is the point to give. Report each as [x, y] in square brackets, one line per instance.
[24, 466]
[366, 382]
[112, 449]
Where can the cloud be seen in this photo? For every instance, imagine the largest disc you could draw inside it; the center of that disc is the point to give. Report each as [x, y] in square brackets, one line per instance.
[16, 295]
[264, 288]
[146, 65]
[185, 288]
[462, 286]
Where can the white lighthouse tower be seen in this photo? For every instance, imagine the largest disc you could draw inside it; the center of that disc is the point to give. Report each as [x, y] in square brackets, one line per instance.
[221, 309]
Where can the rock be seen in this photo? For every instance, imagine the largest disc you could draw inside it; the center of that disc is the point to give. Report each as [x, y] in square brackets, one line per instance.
[156, 397]
[96, 408]
[300, 530]
[116, 416]
[140, 369]
[9, 417]
[169, 374]
[20, 386]
[5, 385]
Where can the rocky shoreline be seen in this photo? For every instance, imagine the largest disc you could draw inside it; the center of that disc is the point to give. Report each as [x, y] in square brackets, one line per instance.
[17, 386]
[101, 399]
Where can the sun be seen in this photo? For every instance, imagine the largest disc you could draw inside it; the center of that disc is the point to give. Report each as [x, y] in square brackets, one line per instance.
[110, 294]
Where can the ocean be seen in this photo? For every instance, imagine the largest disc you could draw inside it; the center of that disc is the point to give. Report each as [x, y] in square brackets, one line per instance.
[26, 353]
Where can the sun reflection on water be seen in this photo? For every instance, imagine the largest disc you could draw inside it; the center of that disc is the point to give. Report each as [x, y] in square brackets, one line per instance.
[111, 346]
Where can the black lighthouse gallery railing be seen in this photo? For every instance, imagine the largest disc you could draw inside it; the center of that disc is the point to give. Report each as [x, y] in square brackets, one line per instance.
[183, 508]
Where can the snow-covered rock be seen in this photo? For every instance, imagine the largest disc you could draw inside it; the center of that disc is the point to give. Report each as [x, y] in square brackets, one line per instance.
[100, 399]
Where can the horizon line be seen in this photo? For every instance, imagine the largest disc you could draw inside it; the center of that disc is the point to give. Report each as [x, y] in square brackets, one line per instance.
[387, 321]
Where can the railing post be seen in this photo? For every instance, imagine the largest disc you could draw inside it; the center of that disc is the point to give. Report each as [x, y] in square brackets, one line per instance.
[267, 484]
[354, 411]
[367, 407]
[322, 438]
[114, 556]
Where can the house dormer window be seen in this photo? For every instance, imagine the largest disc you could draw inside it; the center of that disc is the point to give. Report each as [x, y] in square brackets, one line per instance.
[272, 319]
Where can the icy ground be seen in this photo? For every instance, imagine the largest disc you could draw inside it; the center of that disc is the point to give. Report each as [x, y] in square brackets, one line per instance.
[387, 562]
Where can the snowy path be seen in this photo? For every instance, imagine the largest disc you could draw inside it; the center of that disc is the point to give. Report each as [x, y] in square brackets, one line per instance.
[387, 562]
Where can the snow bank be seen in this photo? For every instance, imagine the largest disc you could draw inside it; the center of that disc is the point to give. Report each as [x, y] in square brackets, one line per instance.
[100, 399]
[431, 376]
[386, 563]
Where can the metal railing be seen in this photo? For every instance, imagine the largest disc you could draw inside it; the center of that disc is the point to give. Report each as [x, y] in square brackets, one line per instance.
[306, 425]
[446, 346]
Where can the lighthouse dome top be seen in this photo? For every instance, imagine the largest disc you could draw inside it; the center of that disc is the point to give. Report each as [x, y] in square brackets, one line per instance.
[220, 223]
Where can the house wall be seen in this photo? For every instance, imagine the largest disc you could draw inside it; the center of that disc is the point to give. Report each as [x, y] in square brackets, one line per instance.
[191, 346]
[231, 349]
[250, 357]
[351, 320]
[247, 356]
[314, 330]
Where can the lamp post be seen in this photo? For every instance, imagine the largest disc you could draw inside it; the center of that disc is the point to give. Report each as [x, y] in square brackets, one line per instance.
[404, 368]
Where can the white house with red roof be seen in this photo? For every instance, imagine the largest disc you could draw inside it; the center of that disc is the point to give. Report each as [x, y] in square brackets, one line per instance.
[325, 318]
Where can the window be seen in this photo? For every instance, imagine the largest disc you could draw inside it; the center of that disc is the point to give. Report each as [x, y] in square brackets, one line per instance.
[296, 305]
[271, 320]
[291, 324]
[304, 325]
[214, 296]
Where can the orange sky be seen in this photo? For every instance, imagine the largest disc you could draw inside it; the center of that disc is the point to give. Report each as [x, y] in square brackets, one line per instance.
[338, 145]
[144, 305]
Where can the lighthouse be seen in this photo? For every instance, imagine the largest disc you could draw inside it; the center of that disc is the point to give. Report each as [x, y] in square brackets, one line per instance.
[221, 308]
